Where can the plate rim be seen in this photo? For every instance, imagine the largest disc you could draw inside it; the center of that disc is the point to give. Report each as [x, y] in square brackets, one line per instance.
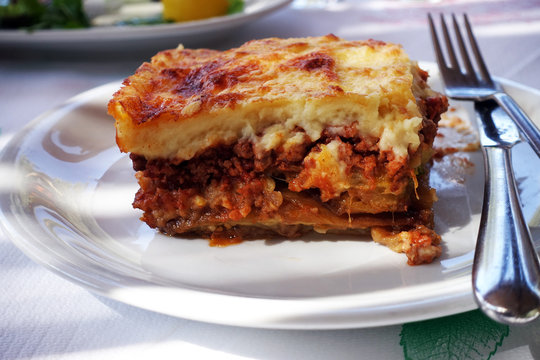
[320, 312]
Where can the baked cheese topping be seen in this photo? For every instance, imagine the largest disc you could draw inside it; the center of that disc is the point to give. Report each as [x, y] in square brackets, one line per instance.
[272, 92]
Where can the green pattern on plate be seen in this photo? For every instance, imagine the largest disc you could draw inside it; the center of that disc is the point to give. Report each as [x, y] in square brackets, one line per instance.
[470, 335]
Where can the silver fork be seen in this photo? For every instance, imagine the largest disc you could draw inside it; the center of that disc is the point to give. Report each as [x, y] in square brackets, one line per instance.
[506, 270]
[468, 84]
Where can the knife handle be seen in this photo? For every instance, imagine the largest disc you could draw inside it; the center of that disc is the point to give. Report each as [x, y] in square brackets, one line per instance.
[506, 271]
[527, 128]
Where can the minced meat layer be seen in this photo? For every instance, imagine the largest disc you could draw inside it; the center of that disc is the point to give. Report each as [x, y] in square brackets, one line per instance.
[230, 183]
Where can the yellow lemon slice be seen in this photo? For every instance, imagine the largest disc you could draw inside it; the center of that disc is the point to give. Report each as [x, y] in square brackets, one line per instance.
[185, 10]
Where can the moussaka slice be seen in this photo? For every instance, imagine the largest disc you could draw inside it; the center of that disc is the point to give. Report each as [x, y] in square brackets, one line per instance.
[281, 137]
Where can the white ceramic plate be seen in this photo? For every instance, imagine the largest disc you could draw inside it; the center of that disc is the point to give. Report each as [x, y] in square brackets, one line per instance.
[65, 200]
[108, 37]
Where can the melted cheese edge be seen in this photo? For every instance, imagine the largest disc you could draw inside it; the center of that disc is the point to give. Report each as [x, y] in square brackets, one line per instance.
[380, 105]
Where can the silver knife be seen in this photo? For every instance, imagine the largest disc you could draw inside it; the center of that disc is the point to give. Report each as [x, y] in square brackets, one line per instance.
[506, 270]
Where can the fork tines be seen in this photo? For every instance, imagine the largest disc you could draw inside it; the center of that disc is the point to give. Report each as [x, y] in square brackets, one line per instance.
[467, 68]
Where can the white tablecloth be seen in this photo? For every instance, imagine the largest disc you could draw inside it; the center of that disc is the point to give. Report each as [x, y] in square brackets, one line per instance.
[43, 316]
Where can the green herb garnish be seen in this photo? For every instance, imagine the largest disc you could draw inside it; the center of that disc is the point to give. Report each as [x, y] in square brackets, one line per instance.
[235, 6]
[63, 14]
[34, 15]
[20, 13]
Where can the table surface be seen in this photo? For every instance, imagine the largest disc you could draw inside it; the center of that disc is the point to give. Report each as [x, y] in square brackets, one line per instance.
[43, 316]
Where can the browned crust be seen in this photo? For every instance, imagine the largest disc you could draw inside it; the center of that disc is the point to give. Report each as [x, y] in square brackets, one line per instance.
[178, 78]
[201, 75]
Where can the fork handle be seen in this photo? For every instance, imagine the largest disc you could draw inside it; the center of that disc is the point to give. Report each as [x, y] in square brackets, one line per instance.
[506, 270]
[527, 128]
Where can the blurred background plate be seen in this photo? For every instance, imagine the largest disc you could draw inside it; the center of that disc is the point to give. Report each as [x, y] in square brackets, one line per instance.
[139, 37]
